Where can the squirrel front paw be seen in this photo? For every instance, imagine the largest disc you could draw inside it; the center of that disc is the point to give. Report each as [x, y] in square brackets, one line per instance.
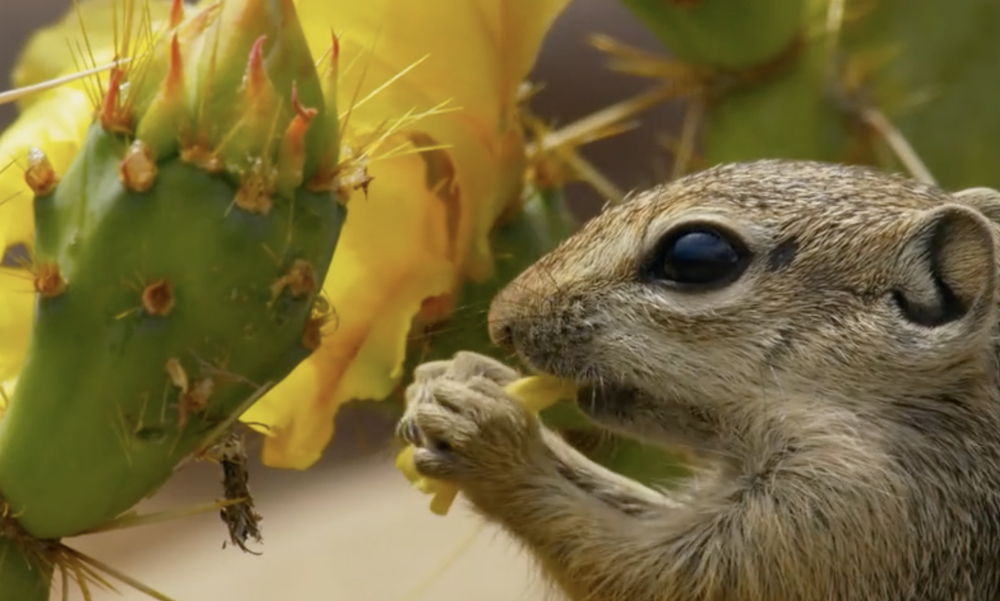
[464, 428]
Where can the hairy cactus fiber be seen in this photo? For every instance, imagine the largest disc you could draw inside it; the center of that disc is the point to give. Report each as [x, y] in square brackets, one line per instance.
[176, 261]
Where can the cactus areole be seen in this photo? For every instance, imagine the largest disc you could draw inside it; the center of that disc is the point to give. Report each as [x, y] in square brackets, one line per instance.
[178, 262]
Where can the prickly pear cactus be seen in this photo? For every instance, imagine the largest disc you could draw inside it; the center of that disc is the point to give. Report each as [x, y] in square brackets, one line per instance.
[891, 83]
[177, 263]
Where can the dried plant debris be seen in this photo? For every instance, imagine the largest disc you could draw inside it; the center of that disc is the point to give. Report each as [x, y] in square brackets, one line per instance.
[240, 517]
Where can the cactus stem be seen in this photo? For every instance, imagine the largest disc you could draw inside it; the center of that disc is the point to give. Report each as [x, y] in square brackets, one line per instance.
[299, 281]
[158, 298]
[176, 14]
[49, 282]
[26, 564]
[39, 174]
[137, 171]
[113, 117]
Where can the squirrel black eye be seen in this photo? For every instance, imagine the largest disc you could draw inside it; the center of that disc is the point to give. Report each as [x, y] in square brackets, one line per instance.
[702, 257]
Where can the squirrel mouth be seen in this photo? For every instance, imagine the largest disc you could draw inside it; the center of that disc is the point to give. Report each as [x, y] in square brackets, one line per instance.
[604, 401]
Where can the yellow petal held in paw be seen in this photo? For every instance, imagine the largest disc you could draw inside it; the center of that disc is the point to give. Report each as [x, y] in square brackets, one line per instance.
[535, 393]
[424, 224]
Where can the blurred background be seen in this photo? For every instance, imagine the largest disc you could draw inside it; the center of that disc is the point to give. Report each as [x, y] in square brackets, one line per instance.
[350, 528]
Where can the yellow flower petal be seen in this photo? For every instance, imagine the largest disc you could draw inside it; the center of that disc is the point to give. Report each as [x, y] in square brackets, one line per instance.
[426, 223]
[56, 124]
[17, 305]
[474, 55]
[390, 257]
[56, 50]
[477, 54]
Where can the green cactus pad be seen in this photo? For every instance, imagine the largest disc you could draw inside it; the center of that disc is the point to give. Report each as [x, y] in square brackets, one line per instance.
[23, 576]
[731, 34]
[935, 76]
[100, 383]
[177, 264]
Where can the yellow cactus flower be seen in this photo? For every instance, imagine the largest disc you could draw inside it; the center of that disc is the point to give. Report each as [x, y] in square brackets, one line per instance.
[415, 233]
[425, 222]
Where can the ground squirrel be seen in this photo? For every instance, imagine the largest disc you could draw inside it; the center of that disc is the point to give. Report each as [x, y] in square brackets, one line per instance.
[827, 334]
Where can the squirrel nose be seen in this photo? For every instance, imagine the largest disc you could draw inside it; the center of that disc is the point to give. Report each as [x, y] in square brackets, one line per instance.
[501, 320]
[502, 335]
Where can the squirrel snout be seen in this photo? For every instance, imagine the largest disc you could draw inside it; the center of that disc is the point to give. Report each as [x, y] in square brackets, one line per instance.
[501, 322]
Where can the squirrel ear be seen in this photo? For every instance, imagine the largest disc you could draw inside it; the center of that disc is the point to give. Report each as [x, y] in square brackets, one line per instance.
[949, 269]
[984, 200]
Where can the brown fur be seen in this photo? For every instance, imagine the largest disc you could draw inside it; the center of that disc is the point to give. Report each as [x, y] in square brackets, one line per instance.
[858, 452]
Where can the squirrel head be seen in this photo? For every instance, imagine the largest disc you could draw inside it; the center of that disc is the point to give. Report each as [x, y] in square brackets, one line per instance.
[764, 279]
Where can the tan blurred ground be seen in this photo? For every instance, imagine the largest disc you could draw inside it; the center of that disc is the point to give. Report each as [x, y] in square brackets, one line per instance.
[358, 534]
